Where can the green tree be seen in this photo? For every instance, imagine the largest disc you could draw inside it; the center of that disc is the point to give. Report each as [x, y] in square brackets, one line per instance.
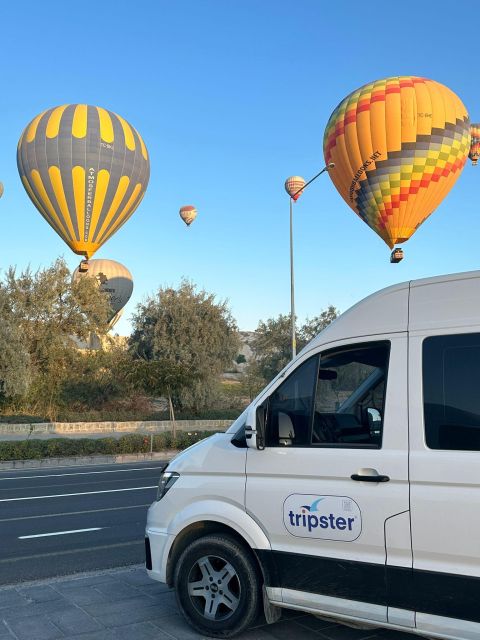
[51, 311]
[191, 336]
[14, 357]
[312, 327]
[272, 344]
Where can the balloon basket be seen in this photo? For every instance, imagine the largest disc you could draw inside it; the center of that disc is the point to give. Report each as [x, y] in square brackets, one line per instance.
[396, 256]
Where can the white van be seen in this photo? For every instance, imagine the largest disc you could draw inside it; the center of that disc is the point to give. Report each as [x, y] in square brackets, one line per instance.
[350, 488]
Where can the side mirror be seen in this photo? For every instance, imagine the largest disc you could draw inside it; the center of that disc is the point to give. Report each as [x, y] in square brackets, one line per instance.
[255, 435]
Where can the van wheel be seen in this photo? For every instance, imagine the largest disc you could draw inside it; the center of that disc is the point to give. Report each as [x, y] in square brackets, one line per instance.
[218, 586]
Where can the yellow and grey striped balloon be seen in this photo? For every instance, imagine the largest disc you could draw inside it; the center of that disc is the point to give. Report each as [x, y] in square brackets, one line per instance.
[86, 170]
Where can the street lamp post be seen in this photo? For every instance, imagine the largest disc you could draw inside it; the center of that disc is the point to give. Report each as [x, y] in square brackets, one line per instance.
[293, 196]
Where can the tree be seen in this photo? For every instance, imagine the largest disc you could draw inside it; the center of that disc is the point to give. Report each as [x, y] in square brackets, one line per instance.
[191, 336]
[312, 327]
[272, 344]
[14, 357]
[49, 311]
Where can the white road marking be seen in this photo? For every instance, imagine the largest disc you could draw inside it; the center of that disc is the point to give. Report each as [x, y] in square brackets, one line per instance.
[75, 513]
[84, 493]
[59, 533]
[79, 473]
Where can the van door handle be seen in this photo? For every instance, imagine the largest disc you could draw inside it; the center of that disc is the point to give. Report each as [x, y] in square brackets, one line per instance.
[369, 475]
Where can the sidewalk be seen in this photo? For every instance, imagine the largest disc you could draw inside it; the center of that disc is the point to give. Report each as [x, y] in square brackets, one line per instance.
[124, 604]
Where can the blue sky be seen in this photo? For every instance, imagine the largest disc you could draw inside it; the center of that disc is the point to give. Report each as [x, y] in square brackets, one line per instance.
[231, 97]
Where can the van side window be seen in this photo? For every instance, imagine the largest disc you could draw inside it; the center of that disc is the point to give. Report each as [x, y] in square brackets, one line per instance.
[451, 395]
[350, 397]
[290, 408]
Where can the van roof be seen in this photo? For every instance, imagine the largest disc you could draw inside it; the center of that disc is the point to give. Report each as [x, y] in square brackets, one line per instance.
[438, 302]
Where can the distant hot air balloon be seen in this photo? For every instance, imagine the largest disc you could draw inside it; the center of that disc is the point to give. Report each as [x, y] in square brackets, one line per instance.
[475, 144]
[188, 213]
[294, 185]
[113, 278]
[1, 189]
[86, 170]
[399, 145]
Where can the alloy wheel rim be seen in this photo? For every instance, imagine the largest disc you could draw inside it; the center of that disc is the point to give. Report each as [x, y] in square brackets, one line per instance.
[214, 588]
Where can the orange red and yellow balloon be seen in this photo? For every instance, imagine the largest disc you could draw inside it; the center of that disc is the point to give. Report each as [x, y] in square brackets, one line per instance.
[188, 213]
[294, 186]
[474, 153]
[399, 144]
[86, 170]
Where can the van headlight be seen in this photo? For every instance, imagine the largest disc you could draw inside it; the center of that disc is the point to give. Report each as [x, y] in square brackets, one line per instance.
[167, 480]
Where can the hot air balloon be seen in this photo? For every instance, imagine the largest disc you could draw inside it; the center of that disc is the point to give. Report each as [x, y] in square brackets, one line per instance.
[113, 278]
[86, 170]
[1, 189]
[294, 186]
[399, 145]
[474, 153]
[188, 213]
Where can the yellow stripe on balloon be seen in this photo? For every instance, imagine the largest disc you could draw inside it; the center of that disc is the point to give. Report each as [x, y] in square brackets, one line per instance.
[119, 195]
[78, 179]
[79, 124]
[53, 124]
[106, 125]
[103, 178]
[142, 144]
[57, 185]
[120, 219]
[40, 207]
[128, 133]
[32, 129]
[37, 181]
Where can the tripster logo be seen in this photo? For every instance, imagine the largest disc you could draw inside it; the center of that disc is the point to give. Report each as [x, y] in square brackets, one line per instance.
[324, 517]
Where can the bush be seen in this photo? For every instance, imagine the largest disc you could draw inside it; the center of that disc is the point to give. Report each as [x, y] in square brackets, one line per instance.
[129, 443]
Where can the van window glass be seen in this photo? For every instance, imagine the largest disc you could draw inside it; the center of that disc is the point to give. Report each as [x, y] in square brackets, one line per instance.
[350, 397]
[451, 374]
[290, 408]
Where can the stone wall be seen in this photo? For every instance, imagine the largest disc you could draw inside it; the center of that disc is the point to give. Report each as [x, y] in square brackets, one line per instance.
[87, 428]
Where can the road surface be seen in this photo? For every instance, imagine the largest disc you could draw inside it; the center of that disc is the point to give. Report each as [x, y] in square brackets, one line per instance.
[63, 520]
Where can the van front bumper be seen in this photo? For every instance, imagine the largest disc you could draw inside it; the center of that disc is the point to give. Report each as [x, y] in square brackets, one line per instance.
[157, 545]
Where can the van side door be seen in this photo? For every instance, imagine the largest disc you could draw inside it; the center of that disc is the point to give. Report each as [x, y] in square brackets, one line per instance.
[445, 480]
[330, 489]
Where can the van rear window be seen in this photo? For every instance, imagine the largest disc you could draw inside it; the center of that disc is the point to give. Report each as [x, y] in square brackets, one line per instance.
[451, 392]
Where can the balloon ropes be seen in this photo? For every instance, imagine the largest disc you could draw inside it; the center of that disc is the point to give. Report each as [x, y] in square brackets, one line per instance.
[399, 145]
[86, 170]
[474, 153]
[113, 278]
[188, 213]
[294, 186]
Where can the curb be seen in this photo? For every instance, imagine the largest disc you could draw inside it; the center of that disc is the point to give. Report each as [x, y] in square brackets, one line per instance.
[45, 463]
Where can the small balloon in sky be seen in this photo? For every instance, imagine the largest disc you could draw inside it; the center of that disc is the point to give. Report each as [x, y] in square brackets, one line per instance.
[188, 213]
[294, 186]
[1, 189]
[399, 145]
[474, 153]
[86, 170]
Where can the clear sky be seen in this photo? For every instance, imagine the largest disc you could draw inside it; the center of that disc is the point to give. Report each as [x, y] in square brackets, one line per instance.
[231, 97]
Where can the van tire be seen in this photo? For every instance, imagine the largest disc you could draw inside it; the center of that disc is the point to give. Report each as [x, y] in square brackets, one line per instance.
[221, 567]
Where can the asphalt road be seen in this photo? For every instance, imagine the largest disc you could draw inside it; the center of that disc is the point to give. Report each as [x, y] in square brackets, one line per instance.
[59, 521]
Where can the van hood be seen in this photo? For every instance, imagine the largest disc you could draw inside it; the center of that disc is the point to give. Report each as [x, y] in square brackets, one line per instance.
[215, 454]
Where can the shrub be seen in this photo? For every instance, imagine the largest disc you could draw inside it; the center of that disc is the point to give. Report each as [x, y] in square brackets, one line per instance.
[129, 443]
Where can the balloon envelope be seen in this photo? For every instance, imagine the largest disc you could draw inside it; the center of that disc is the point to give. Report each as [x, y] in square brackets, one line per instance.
[1, 189]
[86, 170]
[399, 145]
[113, 278]
[475, 143]
[188, 213]
[294, 185]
